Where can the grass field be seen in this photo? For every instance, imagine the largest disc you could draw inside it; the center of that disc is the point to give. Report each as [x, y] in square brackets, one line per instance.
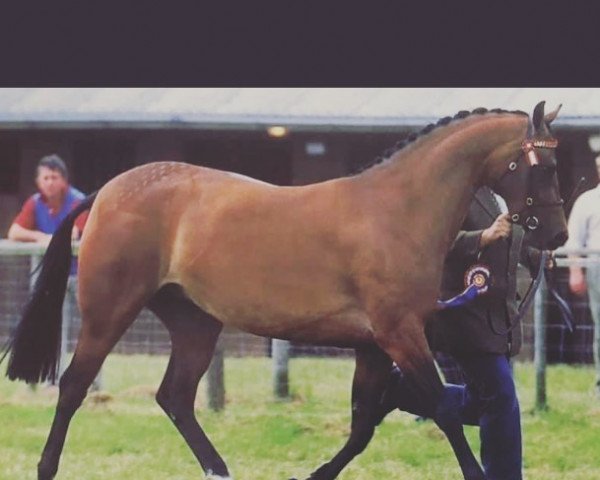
[122, 434]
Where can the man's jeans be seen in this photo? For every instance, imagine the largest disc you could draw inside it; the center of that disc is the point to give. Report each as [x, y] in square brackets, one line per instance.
[593, 283]
[489, 400]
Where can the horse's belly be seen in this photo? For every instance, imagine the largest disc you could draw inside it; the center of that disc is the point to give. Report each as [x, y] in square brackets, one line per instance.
[346, 329]
[320, 322]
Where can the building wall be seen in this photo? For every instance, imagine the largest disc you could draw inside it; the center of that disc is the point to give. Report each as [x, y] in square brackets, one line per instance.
[316, 158]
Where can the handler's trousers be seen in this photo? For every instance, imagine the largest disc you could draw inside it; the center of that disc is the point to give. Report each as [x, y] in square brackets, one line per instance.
[489, 400]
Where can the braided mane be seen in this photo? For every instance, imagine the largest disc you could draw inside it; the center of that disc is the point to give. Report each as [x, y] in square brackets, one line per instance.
[432, 126]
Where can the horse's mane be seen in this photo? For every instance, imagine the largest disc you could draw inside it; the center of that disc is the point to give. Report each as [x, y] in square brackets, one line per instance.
[432, 126]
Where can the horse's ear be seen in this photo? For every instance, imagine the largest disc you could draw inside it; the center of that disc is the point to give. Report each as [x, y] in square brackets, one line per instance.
[538, 115]
[549, 117]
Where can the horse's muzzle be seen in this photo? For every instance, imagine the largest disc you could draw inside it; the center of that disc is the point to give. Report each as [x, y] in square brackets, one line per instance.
[558, 240]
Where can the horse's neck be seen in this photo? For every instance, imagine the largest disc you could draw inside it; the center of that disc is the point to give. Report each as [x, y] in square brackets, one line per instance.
[433, 181]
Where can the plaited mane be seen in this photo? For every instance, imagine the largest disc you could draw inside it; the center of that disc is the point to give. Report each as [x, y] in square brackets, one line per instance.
[429, 128]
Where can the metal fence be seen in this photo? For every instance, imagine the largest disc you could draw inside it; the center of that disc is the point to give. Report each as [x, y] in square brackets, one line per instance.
[563, 346]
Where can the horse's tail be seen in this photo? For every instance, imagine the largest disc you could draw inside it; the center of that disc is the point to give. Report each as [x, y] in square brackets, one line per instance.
[35, 345]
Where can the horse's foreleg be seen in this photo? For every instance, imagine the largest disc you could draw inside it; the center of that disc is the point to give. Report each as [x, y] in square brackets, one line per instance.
[408, 347]
[370, 376]
[194, 335]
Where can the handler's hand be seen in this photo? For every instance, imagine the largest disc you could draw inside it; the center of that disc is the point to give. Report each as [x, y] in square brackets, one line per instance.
[577, 282]
[499, 229]
[550, 261]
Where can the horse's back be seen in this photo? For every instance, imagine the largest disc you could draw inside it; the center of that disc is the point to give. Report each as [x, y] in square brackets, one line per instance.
[134, 222]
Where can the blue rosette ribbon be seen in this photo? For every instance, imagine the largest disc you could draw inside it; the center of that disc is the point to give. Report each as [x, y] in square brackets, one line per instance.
[477, 282]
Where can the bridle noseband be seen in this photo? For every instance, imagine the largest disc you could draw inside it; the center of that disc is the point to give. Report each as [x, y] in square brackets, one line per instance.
[525, 217]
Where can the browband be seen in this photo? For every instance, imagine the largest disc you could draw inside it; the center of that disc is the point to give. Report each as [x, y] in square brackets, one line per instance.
[529, 145]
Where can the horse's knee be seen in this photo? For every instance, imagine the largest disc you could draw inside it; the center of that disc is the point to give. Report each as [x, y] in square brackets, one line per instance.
[162, 398]
[170, 406]
[359, 442]
[364, 421]
[448, 421]
[448, 415]
[175, 406]
[73, 391]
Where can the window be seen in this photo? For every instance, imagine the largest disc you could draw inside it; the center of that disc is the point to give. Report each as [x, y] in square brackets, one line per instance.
[9, 166]
[266, 159]
[96, 161]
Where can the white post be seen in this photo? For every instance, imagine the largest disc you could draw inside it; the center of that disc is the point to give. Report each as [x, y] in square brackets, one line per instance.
[215, 387]
[281, 355]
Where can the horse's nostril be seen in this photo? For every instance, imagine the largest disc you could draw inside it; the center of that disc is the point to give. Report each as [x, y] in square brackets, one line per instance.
[559, 240]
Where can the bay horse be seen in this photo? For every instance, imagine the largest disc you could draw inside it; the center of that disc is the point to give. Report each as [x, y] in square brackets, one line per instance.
[352, 262]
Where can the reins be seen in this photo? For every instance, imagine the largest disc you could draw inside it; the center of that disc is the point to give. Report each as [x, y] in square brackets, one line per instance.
[527, 299]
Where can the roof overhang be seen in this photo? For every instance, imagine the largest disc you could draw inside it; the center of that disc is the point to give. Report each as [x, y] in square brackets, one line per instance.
[258, 123]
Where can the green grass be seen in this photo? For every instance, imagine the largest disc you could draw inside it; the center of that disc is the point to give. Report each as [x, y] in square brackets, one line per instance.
[124, 435]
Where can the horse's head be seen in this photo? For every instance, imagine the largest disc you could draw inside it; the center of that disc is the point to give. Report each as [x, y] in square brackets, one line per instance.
[530, 184]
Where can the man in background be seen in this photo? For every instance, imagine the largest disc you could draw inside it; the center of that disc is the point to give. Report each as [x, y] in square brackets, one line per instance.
[42, 213]
[584, 232]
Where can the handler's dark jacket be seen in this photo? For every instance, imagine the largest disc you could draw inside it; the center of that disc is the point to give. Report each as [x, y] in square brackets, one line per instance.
[471, 328]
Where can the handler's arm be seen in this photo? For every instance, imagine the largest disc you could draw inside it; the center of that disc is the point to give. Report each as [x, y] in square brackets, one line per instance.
[466, 246]
[469, 243]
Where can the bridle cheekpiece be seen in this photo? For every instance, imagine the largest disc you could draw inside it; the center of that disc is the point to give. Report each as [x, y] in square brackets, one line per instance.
[524, 217]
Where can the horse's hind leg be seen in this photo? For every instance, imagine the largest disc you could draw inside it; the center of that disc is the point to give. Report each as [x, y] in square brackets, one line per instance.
[194, 334]
[409, 349]
[103, 323]
[370, 376]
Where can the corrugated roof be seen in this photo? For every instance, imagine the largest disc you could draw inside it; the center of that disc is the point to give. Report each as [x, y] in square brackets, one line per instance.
[344, 107]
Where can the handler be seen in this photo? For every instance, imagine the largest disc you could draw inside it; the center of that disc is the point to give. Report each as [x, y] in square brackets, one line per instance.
[481, 335]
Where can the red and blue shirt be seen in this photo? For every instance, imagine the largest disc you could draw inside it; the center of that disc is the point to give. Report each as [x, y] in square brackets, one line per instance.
[36, 214]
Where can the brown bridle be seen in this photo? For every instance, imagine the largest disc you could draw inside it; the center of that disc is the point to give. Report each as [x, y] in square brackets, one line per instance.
[529, 145]
[524, 217]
